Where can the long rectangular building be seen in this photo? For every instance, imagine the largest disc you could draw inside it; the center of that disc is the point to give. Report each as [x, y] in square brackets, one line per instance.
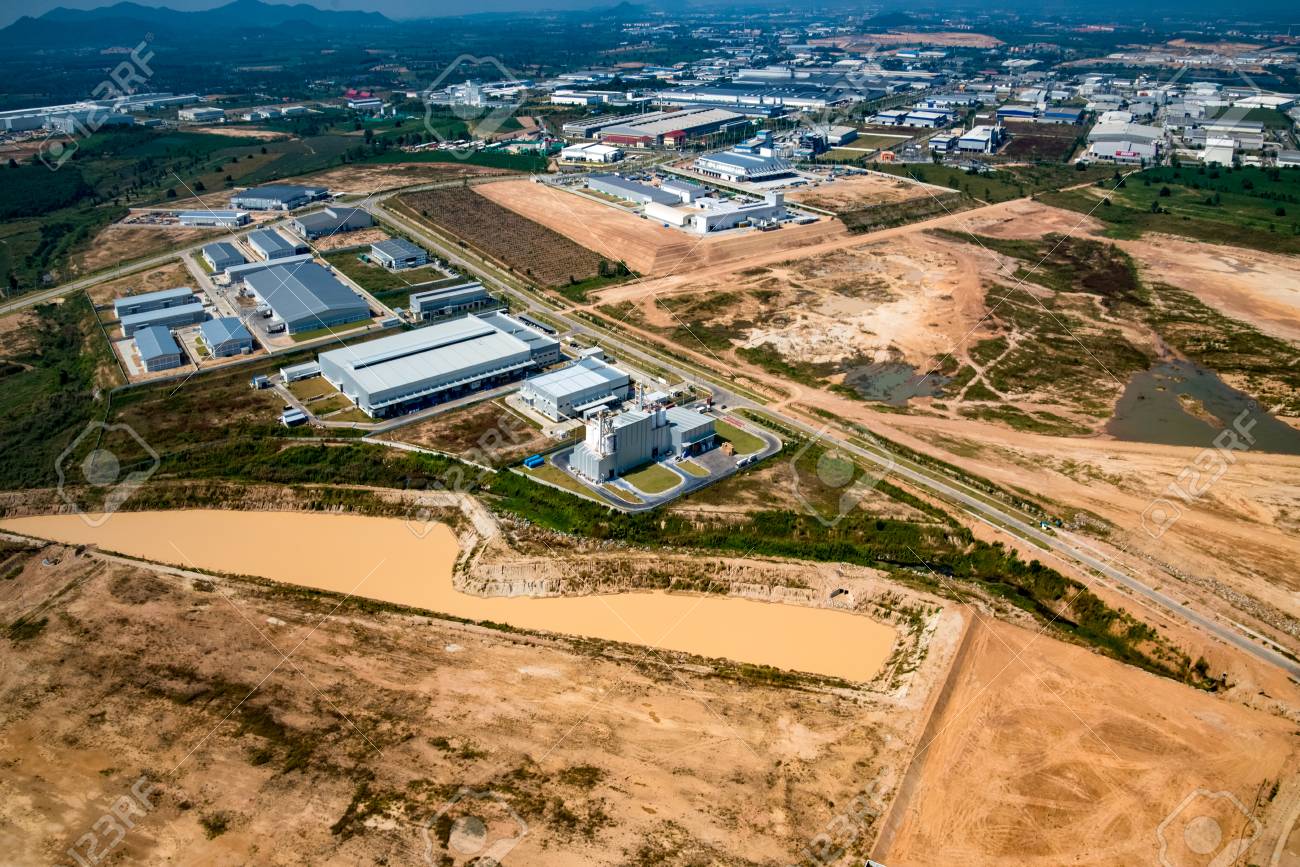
[670, 129]
[277, 197]
[270, 244]
[156, 300]
[450, 301]
[168, 317]
[420, 368]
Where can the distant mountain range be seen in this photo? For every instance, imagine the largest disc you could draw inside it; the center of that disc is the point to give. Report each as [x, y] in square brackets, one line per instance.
[128, 23]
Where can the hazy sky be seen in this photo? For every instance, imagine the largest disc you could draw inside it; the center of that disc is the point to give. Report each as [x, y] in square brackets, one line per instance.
[10, 10]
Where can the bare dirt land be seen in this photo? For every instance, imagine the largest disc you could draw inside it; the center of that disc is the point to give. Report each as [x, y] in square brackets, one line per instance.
[646, 246]
[343, 240]
[365, 179]
[1256, 287]
[16, 337]
[165, 276]
[242, 132]
[582, 753]
[123, 243]
[1044, 751]
[855, 192]
[486, 433]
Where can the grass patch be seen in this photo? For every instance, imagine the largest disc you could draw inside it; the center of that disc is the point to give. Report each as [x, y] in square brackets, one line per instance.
[653, 479]
[315, 386]
[742, 441]
[692, 469]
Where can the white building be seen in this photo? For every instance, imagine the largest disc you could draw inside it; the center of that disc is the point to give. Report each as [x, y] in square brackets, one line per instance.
[591, 153]
[577, 391]
[709, 214]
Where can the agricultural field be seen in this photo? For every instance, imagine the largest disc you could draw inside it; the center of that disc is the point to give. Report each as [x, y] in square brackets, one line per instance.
[526, 248]
[1051, 142]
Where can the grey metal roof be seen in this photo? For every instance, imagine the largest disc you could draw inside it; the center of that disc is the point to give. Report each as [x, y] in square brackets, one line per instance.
[471, 289]
[240, 272]
[303, 292]
[155, 342]
[583, 374]
[142, 320]
[633, 188]
[150, 297]
[397, 248]
[753, 164]
[281, 192]
[217, 215]
[227, 328]
[272, 243]
[224, 254]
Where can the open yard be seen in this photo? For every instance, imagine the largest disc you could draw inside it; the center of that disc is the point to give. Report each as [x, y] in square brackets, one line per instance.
[364, 179]
[1043, 141]
[744, 442]
[165, 276]
[525, 247]
[856, 192]
[488, 433]
[116, 244]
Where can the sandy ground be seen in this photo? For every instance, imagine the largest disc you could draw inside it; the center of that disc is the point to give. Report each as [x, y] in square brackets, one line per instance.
[241, 132]
[646, 246]
[16, 335]
[1260, 288]
[1047, 755]
[859, 191]
[351, 239]
[165, 276]
[120, 243]
[375, 725]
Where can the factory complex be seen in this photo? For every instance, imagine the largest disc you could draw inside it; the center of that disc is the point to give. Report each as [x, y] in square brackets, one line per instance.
[304, 297]
[615, 444]
[578, 390]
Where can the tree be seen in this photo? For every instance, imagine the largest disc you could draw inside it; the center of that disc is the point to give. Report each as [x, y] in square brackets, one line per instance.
[1165, 192]
[171, 193]
[263, 148]
[1280, 212]
[13, 163]
[198, 187]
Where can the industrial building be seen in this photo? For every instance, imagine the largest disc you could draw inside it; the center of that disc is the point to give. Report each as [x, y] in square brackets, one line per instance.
[1062, 115]
[398, 253]
[578, 390]
[745, 163]
[201, 114]
[306, 297]
[1124, 152]
[981, 139]
[226, 336]
[617, 444]
[591, 153]
[222, 255]
[1121, 131]
[219, 219]
[668, 129]
[167, 317]
[1017, 112]
[420, 368]
[685, 191]
[331, 221]
[713, 214]
[632, 191]
[238, 273]
[158, 349]
[278, 197]
[270, 244]
[157, 300]
[450, 301]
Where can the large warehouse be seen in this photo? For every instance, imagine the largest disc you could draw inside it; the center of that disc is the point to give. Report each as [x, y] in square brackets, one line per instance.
[332, 221]
[167, 317]
[742, 166]
[632, 191]
[306, 297]
[451, 301]
[420, 368]
[221, 255]
[277, 197]
[270, 244]
[573, 391]
[670, 129]
[156, 300]
[616, 444]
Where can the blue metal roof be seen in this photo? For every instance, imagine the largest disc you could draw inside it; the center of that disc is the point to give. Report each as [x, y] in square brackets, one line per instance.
[164, 314]
[304, 292]
[272, 243]
[227, 328]
[397, 248]
[224, 253]
[150, 297]
[155, 342]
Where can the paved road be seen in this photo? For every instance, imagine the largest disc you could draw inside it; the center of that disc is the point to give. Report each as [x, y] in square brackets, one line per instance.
[951, 491]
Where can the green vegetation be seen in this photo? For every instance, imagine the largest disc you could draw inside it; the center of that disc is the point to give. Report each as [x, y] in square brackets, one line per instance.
[373, 277]
[45, 405]
[744, 442]
[1245, 207]
[1000, 185]
[653, 479]
[916, 552]
[608, 274]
